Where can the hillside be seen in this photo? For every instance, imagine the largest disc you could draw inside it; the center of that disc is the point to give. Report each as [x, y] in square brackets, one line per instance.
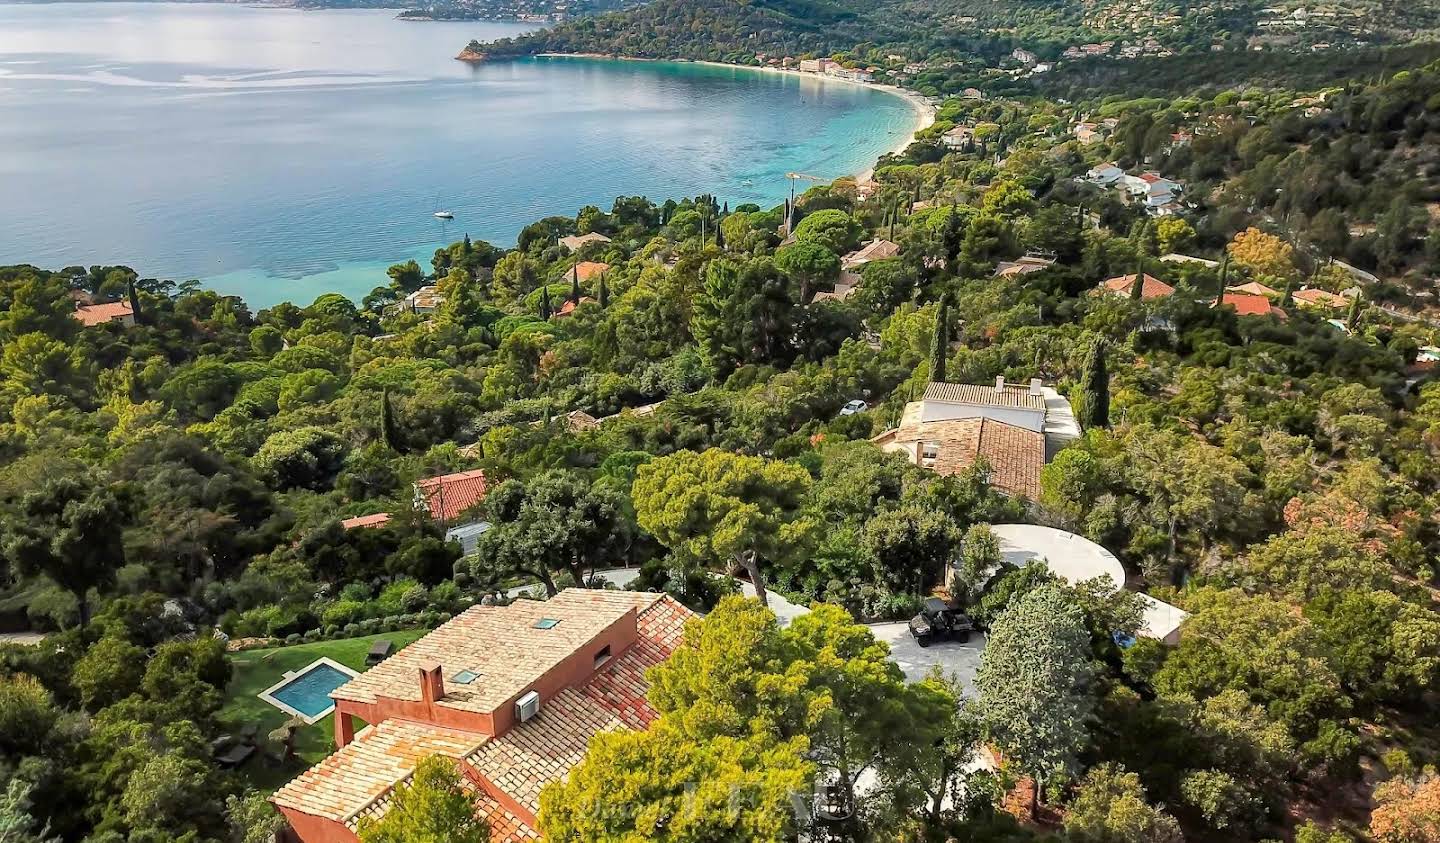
[733, 30]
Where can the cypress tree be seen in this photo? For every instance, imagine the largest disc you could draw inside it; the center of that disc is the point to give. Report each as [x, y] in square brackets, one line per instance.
[389, 430]
[940, 342]
[134, 300]
[1224, 277]
[1137, 288]
[719, 237]
[1095, 387]
[725, 209]
[575, 284]
[545, 311]
[1289, 297]
[602, 294]
[894, 215]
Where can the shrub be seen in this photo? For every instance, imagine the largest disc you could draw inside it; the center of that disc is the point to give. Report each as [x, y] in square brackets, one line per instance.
[292, 639]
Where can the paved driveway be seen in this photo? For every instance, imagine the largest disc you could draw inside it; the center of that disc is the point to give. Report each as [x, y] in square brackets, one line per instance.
[954, 658]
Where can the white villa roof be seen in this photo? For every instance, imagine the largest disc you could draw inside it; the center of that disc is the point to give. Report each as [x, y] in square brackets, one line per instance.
[1160, 619]
[1072, 558]
[1075, 559]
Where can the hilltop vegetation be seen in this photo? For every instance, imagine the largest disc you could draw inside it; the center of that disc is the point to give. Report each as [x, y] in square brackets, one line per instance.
[1273, 476]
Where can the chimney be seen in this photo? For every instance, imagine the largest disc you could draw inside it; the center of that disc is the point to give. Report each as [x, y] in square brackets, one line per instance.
[432, 684]
[999, 383]
[1035, 387]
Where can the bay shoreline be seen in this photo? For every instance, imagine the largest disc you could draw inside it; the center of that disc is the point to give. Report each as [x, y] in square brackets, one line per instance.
[924, 111]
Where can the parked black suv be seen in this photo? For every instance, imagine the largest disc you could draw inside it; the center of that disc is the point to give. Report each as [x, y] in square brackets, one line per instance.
[937, 620]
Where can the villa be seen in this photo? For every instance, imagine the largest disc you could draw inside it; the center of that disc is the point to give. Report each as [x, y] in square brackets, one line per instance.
[585, 270]
[427, 299]
[1151, 287]
[577, 242]
[1247, 305]
[91, 315]
[1322, 299]
[1016, 428]
[512, 693]
[1023, 266]
[877, 249]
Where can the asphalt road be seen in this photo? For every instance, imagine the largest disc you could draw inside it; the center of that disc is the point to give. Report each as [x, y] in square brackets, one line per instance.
[954, 658]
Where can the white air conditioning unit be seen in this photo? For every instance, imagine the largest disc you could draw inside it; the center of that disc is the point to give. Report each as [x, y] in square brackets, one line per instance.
[527, 706]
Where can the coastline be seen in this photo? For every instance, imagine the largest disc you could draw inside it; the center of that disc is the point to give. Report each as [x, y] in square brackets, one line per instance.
[924, 112]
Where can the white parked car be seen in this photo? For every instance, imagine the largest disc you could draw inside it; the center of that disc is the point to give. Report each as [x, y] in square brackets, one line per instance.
[853, 407]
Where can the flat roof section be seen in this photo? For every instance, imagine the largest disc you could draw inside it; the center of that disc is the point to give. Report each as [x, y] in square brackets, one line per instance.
[1072, 558]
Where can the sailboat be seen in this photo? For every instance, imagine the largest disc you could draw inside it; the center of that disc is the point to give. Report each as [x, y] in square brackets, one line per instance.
[440, 214]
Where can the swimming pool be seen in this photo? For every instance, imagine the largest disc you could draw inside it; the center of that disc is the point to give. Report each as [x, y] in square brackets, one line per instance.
[305, 693]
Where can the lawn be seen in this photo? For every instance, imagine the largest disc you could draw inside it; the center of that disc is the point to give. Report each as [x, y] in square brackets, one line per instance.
[256, 670]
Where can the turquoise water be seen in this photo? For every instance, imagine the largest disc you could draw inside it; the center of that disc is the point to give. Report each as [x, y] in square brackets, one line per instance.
[309, 693]
[279, 154]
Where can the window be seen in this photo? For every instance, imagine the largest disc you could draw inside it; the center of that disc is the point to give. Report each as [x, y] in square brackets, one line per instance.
[929, 453]
[465, 677]
[602, 656]
[547, 623]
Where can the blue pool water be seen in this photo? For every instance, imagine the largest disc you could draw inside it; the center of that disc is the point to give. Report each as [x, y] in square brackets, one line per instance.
[309, 692]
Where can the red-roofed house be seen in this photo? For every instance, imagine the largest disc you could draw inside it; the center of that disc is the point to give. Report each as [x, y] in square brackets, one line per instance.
[586, 270]
[569, 307]
[1153, 287]
[1247, 305]
[449, 495]
[512, 693]
[91, 315]
[379, 519]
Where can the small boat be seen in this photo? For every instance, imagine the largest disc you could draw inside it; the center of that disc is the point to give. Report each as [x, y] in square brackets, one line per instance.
[746, 183]
[439, 214]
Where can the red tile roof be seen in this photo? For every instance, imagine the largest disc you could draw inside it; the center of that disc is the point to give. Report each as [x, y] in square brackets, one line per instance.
[450, 495]
[589, 269]
[376, 520]
[1154, 288]
[99, 314]
[1015, 455]
[1247, 305]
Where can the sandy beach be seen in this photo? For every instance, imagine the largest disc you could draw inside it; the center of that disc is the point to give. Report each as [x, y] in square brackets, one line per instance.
[924, 111]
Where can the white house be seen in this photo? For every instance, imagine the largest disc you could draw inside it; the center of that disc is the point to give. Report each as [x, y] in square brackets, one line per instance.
[1105, 174]
[958, 137]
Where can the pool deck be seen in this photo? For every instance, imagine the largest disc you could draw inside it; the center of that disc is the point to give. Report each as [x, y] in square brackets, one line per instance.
[308, 719]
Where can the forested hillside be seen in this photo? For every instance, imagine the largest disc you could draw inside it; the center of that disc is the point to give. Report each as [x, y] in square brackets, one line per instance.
[924, 30]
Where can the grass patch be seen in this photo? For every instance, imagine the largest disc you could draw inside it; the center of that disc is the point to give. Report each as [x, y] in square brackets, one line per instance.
[256, 670]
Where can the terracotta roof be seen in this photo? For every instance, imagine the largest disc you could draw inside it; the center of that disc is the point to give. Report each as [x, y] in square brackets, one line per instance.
[1255, 288]
[575, 242]
[1015, 454]
[1154, 288]
[589, 269]
[1246, 305]
[501, 644]
[99, 314]
[569, 306]
[451, 494]
[1013, 395]
[1320, 298]
[1023, 266]
[375, 520]
[877, 249]
[359, 780]
[348, 782]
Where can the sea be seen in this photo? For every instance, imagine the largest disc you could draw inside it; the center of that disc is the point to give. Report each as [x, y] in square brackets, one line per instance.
[280, 154]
